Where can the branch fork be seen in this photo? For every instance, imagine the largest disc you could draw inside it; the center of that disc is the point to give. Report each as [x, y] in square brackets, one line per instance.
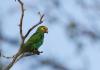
[23, 37]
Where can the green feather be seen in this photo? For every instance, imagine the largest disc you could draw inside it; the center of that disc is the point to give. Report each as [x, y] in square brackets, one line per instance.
[35, 41]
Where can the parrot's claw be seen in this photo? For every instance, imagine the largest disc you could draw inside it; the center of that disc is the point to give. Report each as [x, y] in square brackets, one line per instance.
[41, 52]
[38, 52]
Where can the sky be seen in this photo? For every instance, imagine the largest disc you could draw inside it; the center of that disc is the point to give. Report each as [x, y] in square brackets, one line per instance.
[58, 44]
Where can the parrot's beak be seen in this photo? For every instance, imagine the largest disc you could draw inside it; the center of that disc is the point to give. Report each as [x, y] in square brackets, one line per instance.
[46, 31]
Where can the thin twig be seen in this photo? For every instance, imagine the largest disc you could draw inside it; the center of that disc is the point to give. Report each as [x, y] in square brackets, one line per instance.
[6, 56]
[21, 19]
[23, 55]
[40, 22]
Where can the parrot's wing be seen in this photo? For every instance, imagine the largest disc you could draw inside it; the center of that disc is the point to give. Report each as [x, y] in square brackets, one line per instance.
[35, 38]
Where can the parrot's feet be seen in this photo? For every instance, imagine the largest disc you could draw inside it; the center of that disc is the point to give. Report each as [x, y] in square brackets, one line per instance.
[41, 52]
[37, 52]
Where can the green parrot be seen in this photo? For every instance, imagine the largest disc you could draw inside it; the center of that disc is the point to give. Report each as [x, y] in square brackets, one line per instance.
[32, 44]
[35, 41]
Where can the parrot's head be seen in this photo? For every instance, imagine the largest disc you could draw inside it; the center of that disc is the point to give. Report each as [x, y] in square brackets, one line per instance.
[42, 29]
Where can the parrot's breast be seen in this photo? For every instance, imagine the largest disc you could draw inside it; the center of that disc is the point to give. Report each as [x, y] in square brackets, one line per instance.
[37, 45]
[35, 41]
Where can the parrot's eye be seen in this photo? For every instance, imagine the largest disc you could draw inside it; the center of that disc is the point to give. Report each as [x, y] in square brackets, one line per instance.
[42, 28]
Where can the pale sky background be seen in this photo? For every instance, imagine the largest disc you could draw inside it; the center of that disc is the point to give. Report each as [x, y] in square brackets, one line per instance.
[58, 44]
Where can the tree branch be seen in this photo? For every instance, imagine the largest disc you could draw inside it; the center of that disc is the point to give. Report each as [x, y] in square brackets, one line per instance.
[21, 34]
[23, 37]
[21, 19]
[40, 22]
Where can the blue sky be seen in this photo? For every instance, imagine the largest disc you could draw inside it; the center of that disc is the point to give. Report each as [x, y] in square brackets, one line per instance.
[57, 44]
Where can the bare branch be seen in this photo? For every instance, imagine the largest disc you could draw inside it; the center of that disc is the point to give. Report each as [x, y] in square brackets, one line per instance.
[7, 57]
[15, 58]
[21, 34]
[21, 19]
[12, 63]
[40, 22]
[28, 54]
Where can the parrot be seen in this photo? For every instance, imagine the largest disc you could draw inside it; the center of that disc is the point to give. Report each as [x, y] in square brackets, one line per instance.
[32, 44]
[35, 41]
